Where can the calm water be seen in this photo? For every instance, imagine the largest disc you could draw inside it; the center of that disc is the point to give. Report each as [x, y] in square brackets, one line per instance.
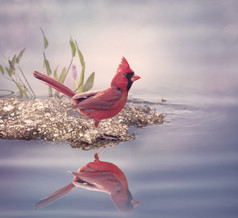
[185, 52]
[185, 168]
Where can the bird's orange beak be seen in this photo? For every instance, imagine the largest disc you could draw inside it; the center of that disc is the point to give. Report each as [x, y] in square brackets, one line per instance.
[134, 78]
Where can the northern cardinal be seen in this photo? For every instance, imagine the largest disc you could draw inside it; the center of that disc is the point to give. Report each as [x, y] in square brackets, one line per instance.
[100, 104]
[98, 176]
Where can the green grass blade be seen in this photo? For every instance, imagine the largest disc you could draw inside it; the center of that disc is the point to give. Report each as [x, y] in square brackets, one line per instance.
[13, 62]
[48, 69]
[55, 74]
[46, 43]
[5, 90]
[1, 69]
[81, 59]
[9, 71]
[20, 55]
[62, 75]
[80, 54]
[73, 47]
[32, 92]
[22, 90]
[89, 82]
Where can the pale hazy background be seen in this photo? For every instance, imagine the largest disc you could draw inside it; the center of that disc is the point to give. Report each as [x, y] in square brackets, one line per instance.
[173, 45]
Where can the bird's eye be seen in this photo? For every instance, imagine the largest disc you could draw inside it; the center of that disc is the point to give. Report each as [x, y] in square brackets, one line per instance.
[129, 75]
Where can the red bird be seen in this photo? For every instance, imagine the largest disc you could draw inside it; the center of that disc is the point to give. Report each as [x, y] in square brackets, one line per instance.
[98, 176]
[100, 104]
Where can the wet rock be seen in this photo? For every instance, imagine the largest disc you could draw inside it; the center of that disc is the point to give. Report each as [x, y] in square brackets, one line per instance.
[54, 120]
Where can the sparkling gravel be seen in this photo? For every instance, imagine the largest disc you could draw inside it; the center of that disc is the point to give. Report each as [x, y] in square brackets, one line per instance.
[54, 120]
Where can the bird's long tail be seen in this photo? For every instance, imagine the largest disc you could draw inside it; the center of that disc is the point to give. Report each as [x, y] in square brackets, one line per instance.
[54, 196]
[54, 84]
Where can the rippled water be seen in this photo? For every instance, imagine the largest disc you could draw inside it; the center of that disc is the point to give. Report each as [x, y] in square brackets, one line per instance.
[186, 53]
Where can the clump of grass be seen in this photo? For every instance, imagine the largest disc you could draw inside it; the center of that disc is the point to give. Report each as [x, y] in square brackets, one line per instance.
[13, 72]
[60, 76]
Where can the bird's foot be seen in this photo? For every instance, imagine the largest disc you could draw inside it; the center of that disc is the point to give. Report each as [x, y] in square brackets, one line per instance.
[99, 152]
[105, 136]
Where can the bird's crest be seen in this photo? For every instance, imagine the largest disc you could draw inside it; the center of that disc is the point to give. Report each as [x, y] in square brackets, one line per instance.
[124, 67]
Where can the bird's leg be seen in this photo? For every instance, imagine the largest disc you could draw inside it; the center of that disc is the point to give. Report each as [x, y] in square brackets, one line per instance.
[99, 152]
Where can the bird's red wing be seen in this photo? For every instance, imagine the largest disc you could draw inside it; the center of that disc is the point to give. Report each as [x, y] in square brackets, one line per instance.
[105, 181]
[83, 96]
[103, 99]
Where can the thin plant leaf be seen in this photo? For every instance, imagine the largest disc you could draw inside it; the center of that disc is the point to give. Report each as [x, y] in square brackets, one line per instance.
[20, 94]
[13, 62]
[1, 69]
[32, 92]
[73, 47]
[55, 74]
[89, 82]
[9, 72]
[22, 90]
[62, 75]
[11, 68]
[48, 69]
[81, 80]
[67, 71]
[5, 90]
[20, 55]
[46, 43]
[80, 88]
[77, 89]
[80, 55]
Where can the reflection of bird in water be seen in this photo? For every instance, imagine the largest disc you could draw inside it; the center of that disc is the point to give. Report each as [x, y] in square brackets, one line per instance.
[98, 176]
[100, 104]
